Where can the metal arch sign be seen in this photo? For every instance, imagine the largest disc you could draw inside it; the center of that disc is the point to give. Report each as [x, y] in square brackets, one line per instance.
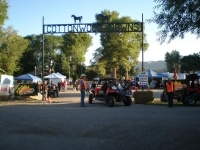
[92, 27]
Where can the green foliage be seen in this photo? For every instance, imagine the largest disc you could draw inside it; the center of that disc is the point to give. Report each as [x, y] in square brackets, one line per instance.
[11, 49]
[96, 56]
[76, 45]
[33, 54]
[172, 60]
[100, 68]
[143, 97]
[91, 73]
[62, 64]
[176, 17]
[3, 11]
[52, 50]
[190, 63]
[118, 49]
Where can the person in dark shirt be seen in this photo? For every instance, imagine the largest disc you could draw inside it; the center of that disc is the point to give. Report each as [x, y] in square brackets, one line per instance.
[93, 85]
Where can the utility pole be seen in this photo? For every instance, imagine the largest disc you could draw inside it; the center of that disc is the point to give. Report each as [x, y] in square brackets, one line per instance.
[70, 58]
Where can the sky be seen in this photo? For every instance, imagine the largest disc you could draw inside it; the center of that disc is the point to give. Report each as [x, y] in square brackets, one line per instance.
[25, 16]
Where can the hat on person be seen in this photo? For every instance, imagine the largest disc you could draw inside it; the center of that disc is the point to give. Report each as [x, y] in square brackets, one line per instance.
[83, 75]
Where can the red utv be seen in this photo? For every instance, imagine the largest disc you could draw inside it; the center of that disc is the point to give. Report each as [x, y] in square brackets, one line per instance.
[111, 91]
[192, 92]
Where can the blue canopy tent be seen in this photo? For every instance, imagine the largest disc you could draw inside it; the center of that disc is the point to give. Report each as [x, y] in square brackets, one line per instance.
[154, 74]
[28, 77]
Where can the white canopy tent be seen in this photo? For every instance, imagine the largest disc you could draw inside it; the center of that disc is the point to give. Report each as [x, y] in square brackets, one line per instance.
[59, 74]
[52, 76]
[55, 78]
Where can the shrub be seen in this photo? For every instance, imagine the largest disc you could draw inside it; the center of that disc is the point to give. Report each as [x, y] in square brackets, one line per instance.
[143, 97]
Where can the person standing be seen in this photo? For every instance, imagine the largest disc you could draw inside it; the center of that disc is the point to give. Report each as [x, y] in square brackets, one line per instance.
[59, 86]
[83, 87]
[45, 92]
[49, 89]
[93, 86]
[170, 88]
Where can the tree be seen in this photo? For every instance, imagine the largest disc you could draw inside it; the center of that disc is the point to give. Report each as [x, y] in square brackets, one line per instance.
[176, 17]
[172, 60]
[11, 49]
[190, 63]
[52, 50]
[96, 55]
[3, 11]
[119, 49]
[3, 17]
[33, 54]
[76, 45]
[62, 64]
[99, 67]
[91, 73]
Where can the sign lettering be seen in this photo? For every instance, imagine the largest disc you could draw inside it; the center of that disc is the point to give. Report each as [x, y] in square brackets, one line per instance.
[92, 27]
[143, 79]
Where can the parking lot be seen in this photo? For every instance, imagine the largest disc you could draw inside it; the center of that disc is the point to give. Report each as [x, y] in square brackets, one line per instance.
[69, 126]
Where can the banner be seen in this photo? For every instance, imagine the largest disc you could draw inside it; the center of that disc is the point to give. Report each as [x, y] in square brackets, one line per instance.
[7, 79]
[4, 89]
[26, 89]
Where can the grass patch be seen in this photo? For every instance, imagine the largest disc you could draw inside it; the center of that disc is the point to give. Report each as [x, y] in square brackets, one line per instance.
[164, 103]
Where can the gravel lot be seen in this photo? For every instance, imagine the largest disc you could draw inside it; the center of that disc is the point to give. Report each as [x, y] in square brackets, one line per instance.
[66, 125]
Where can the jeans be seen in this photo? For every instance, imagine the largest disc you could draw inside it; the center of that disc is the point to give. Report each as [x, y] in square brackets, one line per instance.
[170, 99]
[82, 98]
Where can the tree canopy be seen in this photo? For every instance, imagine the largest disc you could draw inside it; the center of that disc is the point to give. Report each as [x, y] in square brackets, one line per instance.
[33, 53]
[75, 46]
[176, 17]
[190, 63]
[118, 49]
[3, 11]
[172, 60]
[11, 49]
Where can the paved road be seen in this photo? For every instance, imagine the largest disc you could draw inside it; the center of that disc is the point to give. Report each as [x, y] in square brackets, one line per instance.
[69, 127]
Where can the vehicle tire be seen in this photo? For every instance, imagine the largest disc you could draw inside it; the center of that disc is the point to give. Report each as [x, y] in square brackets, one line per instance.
[183, 101]
[191, 100]
[54, 94]
[90, 98]
[183, 98]
[179, 98]
[128, 101]
[110, 101]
